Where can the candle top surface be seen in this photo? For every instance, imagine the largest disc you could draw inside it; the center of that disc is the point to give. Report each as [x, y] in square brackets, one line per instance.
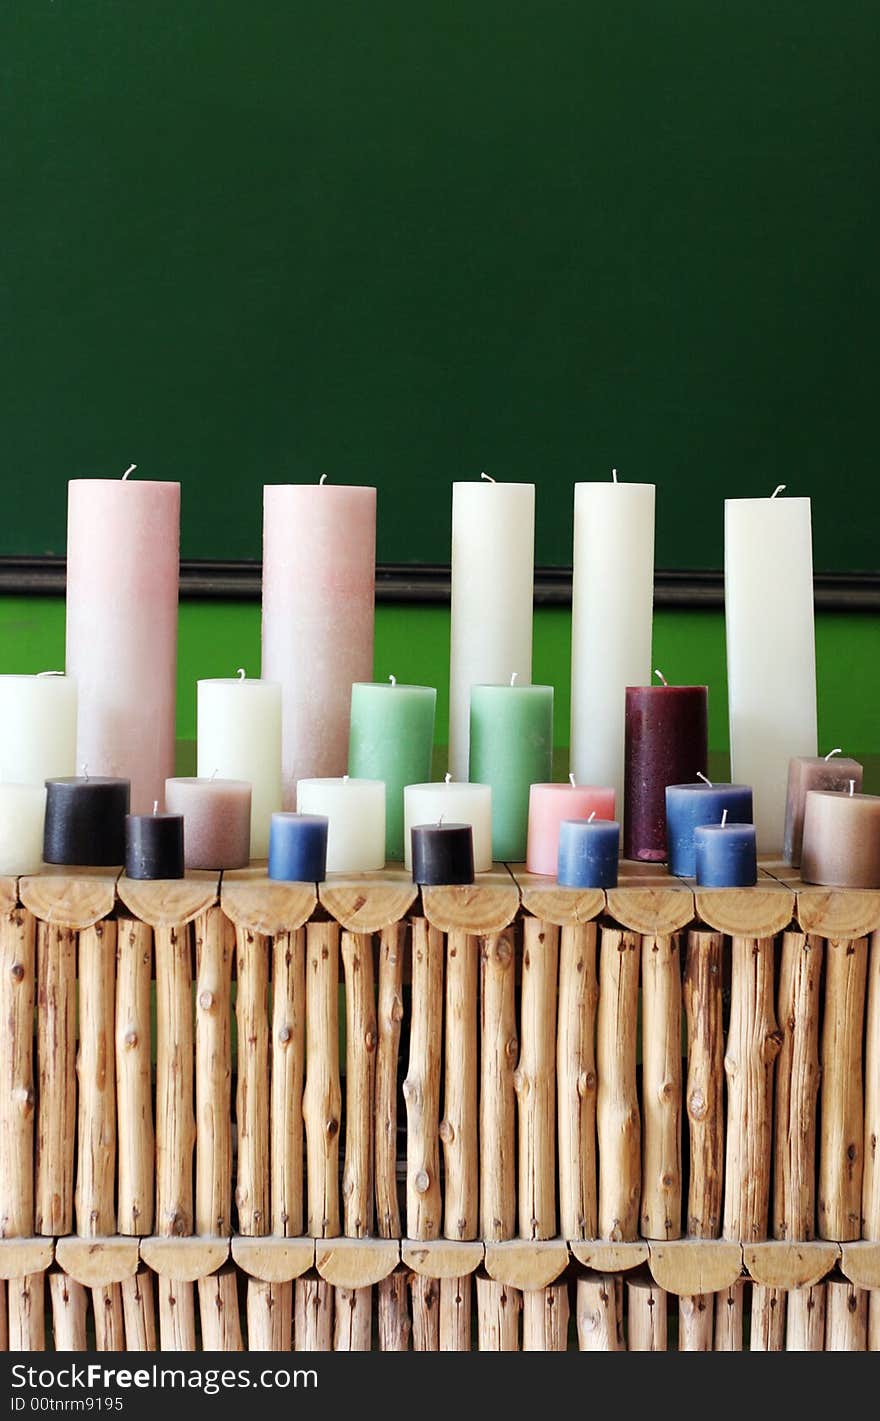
[670, 689]
[604, 824]
[731, 828]
[709, 788]
[392, 686]
[97, 780]
[236, 681]
[779, 500]
[839, 794]
[443, 826]
[127, 483]
[339, 782]
[612, 484]
[326, 485]
[525, 687]
[448, 784]
[290, 816]
[568, 786]
[829, 760]
[49, 676]
[152, 818]
[207, 781]
[490, 484]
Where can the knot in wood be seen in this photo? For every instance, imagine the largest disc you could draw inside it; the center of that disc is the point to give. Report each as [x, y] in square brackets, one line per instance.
[331, 1128]
[284, 1035]
[412, 1092]
[396, 1012]
[206, 1000]
[511, 1048]
[16, 971]
[422, 1181]
[446, 1132]
[131, 1037]
[697, 1107]
[666, 1091]
[370, 1040]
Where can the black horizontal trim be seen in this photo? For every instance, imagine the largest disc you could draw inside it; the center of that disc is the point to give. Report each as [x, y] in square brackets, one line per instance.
[429, 583]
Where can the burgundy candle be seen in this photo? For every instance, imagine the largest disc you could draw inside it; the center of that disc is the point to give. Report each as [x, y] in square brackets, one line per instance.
[666, 743]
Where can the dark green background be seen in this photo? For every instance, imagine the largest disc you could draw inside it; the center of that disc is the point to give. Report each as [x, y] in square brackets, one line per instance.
[246, 241]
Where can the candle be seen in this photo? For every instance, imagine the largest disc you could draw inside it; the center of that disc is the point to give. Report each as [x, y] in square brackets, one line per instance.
[806, 772]
[588, 853]
[122, 574]
[391, 739]
[725, 855]
[841, 844]
[511, 748]
[154, 845]
[319, 573]
[37, 728]
[216, 820]
[612, 600]
[298, 847]
[665, 741]
[688, 805]
[356, 811]
[442, 853]
[549, 806]
[22, 812]
[85, 820]
[771, 659]
[459, 804]
[239, 738]
[493, 556]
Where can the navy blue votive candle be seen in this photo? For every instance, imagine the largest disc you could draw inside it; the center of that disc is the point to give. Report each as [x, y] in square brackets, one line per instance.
[588, 853]
[687, 806]
[726, 855]
[154, 846]
[442, 853]
[298, 847]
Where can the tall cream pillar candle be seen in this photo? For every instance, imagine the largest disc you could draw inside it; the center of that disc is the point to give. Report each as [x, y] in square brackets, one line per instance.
[239, 738]
[771, 658]
[612, 606]
[123, 539]
[493, 578]
[319, 574]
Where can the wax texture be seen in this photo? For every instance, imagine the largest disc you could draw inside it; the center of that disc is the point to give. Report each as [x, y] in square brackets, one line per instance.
[356, 813]
[841, 845]
[298, 847]
[588, 853]
[216, 820]
[666, 742]
[511, 749]
[442, 853]
[725, 855]
[451, 802]
[392, 739]
[239, 738]
[85, 820]
[37, 728]
[806, 772]
[154, 846]
[22, 816]
[549, 806]
[688, 805]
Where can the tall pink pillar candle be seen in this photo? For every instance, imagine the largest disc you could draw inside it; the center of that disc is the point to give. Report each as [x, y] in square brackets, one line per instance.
[549, 804]
[123, 554]
[319, 576]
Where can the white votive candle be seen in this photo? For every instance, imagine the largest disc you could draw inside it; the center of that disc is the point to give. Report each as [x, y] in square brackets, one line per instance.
[37, 728]
[355, 810]
[452, 802]
[239, 738]
[22, 812]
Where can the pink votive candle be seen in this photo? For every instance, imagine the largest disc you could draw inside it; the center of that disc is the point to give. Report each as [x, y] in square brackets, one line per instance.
[548, 806]
[216, 821]
[841, 845]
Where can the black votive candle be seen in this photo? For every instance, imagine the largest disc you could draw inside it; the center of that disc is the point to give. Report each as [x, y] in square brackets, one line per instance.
[85, 820]
[442, 853]
[154, 846]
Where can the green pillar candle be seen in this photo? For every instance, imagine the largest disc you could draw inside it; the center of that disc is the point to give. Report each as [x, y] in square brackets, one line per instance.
[391, 739]
[511, 749]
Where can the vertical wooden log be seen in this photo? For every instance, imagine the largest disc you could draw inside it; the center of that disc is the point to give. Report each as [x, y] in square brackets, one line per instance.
[213, 934]
[797, 1088]
[458, 1129]
[252, 1094]
[704, 1092]
[768, 1319]
[498, 1052]
[313, 1315]
[395, 1327]
[288, 1063]
[360, 1071]
[646, 1316]
[455, 1314]
[269, 1316]
[871, 1179]
[136, 1139]
[805, 1320]
[841, 1139]
[729, 1319]
[96, 1073]
[874, 1320]
[576, 1081]
[535, 1081]
[353, 1320]
[68, 1299]
[322, 1098]
[175, 1123]
[177, 1315]
[109, 1324]
[4, 1320]
[390, 1015]
[421, 1089]
[753, 1044]
[846, 1317]
[218, 1311]
[498, 1310]
[599, 1323]
[545, 1319]
[617, 1105]
[139, 1312]
[56, 1037]
[425, 1313]
[661, 1088]
[695, 1322]
[17, 973]
[26, 1312]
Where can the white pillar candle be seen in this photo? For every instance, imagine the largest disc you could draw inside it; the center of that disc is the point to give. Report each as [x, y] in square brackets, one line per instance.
[239, 738]
[37, 728]
[612, 605]
[122, 574]
[771, 658]
[453, 802]
[22, 813]
[319, 574]
[493, 555]
[355, 810]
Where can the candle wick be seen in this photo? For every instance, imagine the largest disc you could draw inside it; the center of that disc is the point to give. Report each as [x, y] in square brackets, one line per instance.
[661, 676]
[832, 752]
[614, 475]
[701, 776]
[724, 818]
[488, 477]
[130, 470]
[321, 480]
[440, 822]
[241, 674]
[591, 816]
[85, 772]
[393, 680]
[155, 806]
[513, 676]
[852, 786]
[345, 779]
[571, 780]
[213, 774]
[49, 673]
[447, 778]
[780, 488]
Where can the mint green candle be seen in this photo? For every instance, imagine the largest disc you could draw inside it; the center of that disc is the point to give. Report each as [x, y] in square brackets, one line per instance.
[511, 749]
[391, 739]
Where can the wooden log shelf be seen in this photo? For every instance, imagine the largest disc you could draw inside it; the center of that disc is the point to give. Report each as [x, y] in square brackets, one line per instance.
[507, 1116]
